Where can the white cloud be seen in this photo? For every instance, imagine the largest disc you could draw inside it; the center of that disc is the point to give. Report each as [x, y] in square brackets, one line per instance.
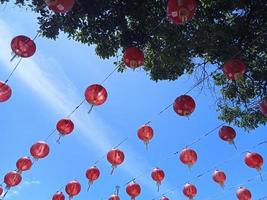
[49, 88]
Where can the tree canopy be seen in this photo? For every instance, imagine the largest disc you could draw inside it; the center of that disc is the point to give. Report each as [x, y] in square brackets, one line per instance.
[220, 30]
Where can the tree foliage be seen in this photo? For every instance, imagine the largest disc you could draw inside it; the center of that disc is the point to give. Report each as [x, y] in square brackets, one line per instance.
[220, 30]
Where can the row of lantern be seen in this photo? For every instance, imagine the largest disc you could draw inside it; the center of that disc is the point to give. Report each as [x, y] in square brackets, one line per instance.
[184, 105]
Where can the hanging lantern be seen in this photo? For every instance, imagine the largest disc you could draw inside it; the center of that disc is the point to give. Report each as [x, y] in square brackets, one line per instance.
[1, 190]
[164, 198]
[133, 57]
[115, 196]
[219, 177]
[5, 92]
[39, 150]
[95, 95]
[184, 105]
[12, 179]
[92, 174]
[145, 133]
[133, 189]
[181, 11]
[158, 176]
[64, 127]
[58, 196]
[227, 134]
[73, 188]
[23, 46]
[234, 69]
[188, 157]
[243, 194]
[60, 6]
[24, 164]
[263, 106]
[190, 191]
[254, 160]
[115, 157]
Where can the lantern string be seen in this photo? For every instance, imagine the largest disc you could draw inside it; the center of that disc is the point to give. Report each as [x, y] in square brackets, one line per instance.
[216, 167]
[13, 70]
[109, 75]
[235, 186]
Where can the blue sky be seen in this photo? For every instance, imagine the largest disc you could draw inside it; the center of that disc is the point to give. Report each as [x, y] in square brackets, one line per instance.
[49, 85]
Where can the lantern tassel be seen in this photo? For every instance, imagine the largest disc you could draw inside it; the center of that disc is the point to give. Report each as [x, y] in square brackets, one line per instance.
[7, 190]
[91, 108]
[59, 138]
[90, 183]
[112, 170]
[233, 143]
[13, 57]
[146, 144]
[222, 186]
[259, 170]
[158, 185]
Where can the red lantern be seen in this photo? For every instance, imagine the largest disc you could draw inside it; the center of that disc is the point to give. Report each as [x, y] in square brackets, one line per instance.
[158, 176]
[181, 11]
[95, 95]
[58, 196]
[227, 134]
[24, 164]
[64, 127]
[5, 92]
[164, 198]
[73, 188]
[39, 150]
[133, 189]
[190, 190]
[145, 133]
[115, 157]
[60, 6]
[243, 194]
[1, 190]
[263, 107]
[12, 179]
[92, 174]
[23, 46]
[184, 105]
[133, 57]
[188, 157]
[219, 177]
[114, 197]
[234, 69]
[254, 160]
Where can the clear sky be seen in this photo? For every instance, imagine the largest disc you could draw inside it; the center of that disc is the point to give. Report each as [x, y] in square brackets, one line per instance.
[49, 85]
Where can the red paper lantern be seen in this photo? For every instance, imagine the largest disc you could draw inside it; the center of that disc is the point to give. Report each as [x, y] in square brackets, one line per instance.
[254, 160]
[114, 197]
[164, 198]
[234, 69]
[65, 126]
[1, 190]
[227, 134]
[5, 92]
[115, 157]
[39, 150]
[243, 194]
[24, 164]
[158, 176]
[145, 133]
[133, 57]
[58, 196]
[133, 189]
[12, 179]
[263, 107]
[96, 95]
[92, 174]
[219, 177]
[23, 46]
[184, 105]
[73, 188]
[181, 11]
[190, 190]
[188, 157]
[60, 6]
